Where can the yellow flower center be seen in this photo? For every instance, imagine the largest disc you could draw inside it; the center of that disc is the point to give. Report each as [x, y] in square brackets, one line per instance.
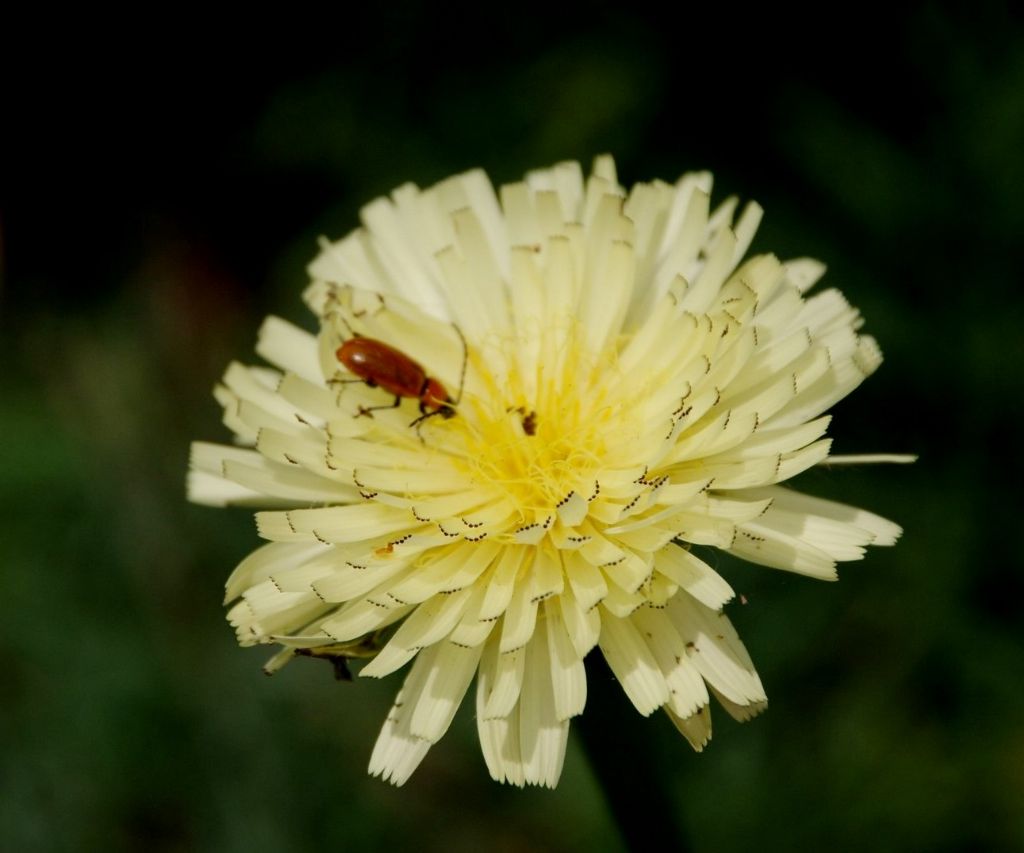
[536, 446]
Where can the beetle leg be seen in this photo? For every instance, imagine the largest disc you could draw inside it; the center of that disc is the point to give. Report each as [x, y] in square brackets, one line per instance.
[368, 410]
[339, 381]
[419, 421]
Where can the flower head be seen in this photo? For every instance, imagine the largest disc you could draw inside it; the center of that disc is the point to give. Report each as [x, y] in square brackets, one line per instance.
[617, 385]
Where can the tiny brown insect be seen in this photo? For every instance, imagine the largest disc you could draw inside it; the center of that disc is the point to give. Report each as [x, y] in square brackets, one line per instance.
[529, 419]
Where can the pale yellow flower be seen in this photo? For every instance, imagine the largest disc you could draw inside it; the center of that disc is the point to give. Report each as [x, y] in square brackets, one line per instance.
[624, 386]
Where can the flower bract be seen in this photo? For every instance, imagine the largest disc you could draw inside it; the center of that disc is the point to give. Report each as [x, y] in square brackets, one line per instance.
[615, 390]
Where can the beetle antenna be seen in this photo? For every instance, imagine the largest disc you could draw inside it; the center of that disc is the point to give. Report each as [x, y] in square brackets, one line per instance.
[348, 326]
[340, 308]
[465, 359]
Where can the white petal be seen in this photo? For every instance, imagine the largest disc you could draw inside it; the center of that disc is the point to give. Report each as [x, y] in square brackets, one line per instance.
[337, 524]
[865, 528]
[740, 713]
[472, 630]
[519, 620]
[582, 626]
[696, 728]
[693, 575]
[766, 546]
[687, 691]
[720, 261]
[804, 272]
[361, 617]
[588, 584]
[568, 677]
[442, 692]
[268, 560]
[633, 664]
[716, 650]
[481, 306]
[398, 752]
[290, 348]
[546, 576]
[499, 737]
[452, 570]
[212, 490]
[501, 582]
[287, 482]
[259, 387]
[684, 232]
[603, 305]
[840, 380]
[404, 266]
[428, 624]
[352, 580]
[506, 682]
[542, 736]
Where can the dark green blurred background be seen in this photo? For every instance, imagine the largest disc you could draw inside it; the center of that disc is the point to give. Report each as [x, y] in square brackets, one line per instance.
[161, 193]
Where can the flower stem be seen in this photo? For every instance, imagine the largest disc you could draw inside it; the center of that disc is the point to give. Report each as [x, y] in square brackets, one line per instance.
[633, 782]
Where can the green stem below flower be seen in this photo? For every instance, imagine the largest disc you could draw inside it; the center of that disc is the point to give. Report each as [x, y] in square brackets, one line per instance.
[634, 784]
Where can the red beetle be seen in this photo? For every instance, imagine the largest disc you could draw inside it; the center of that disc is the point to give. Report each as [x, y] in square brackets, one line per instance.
[381, 365]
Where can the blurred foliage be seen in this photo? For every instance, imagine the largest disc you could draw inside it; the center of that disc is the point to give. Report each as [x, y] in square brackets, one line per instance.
[158, 197]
